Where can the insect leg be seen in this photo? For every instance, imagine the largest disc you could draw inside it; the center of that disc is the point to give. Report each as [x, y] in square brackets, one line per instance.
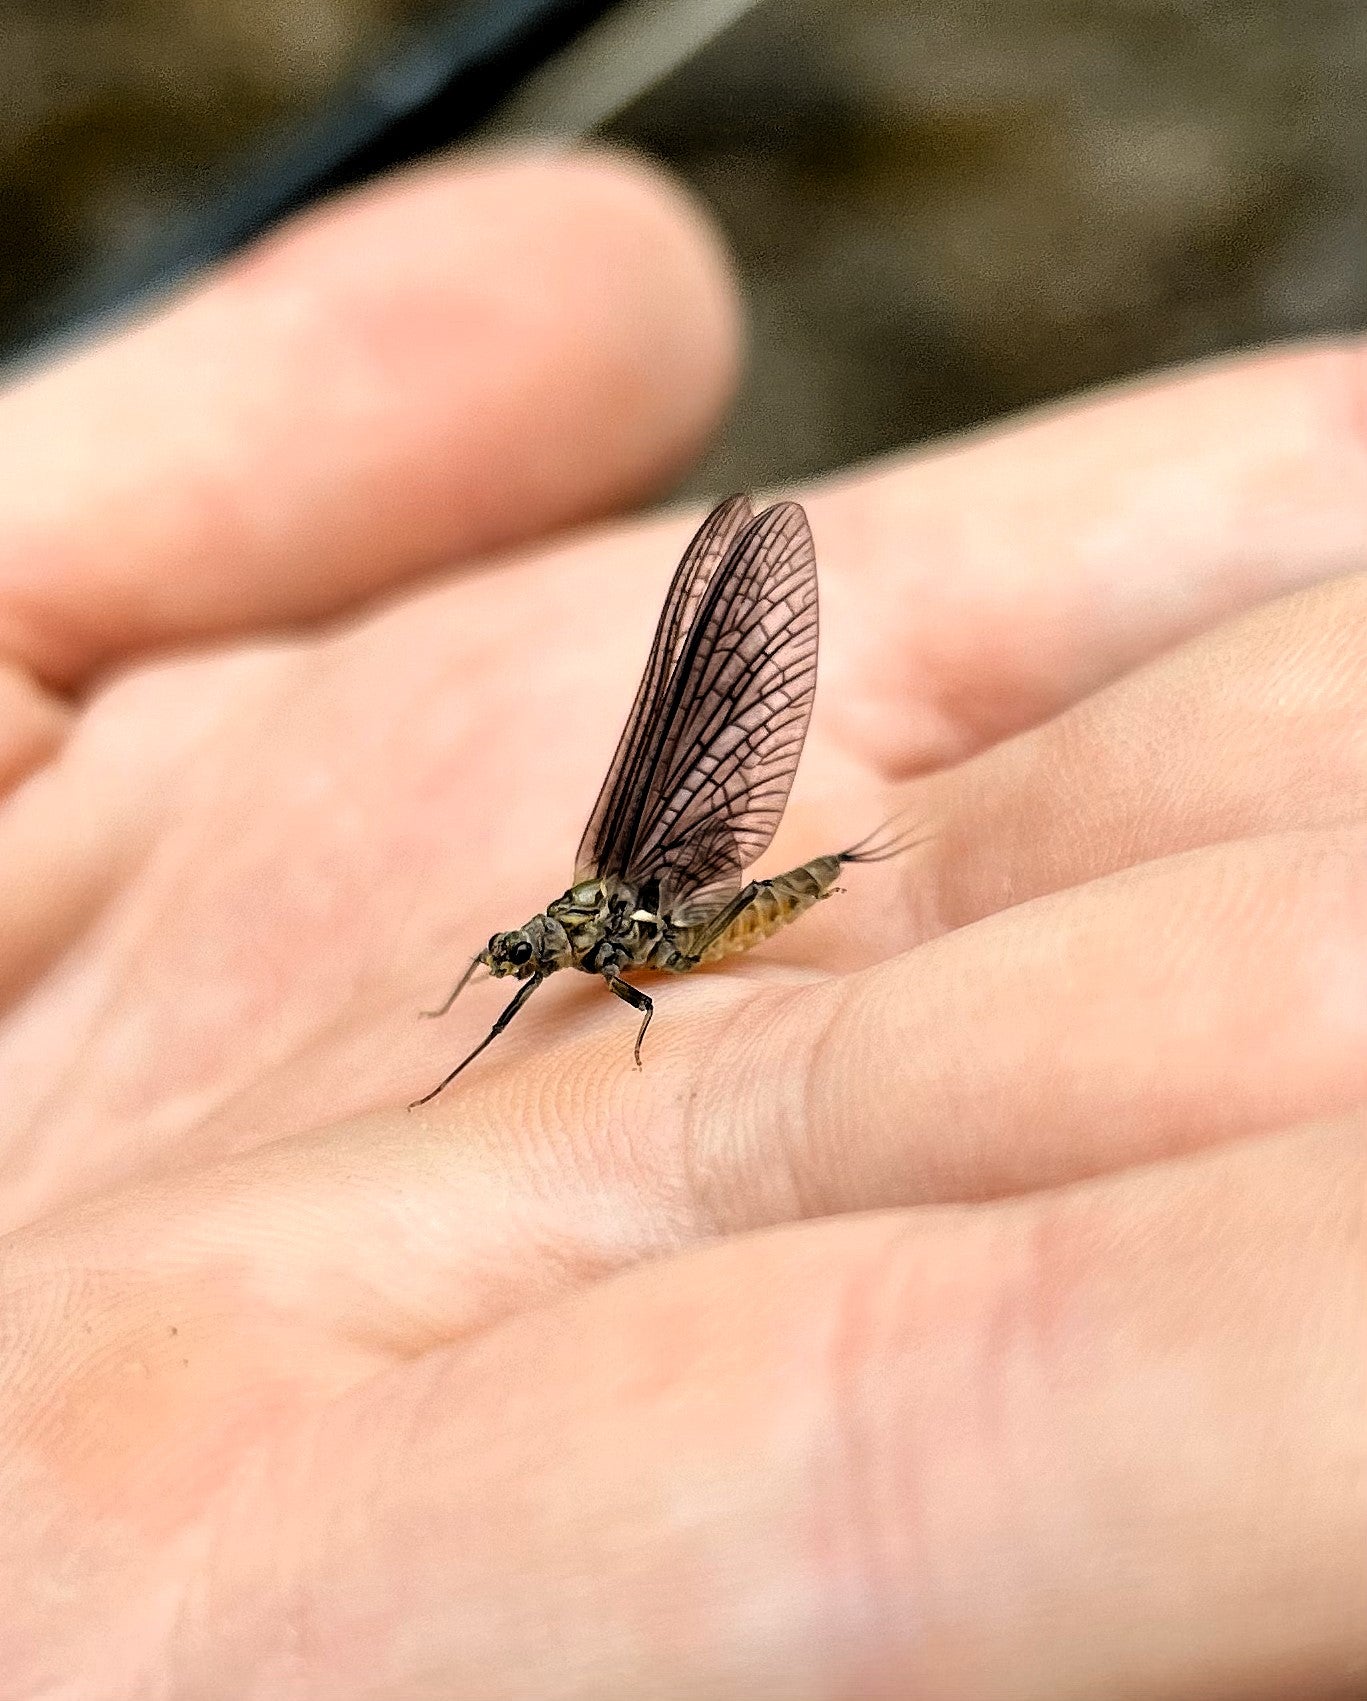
[712, 930]
[524, 992]
[638, 1000]
[461, 985]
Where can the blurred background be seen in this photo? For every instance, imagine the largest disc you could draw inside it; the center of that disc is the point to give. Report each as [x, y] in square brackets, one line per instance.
[943, 210]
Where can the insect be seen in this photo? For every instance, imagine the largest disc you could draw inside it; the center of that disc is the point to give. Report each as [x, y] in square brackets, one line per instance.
[698, 784]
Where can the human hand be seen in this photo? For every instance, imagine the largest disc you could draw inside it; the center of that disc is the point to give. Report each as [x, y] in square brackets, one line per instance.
[306, 1395]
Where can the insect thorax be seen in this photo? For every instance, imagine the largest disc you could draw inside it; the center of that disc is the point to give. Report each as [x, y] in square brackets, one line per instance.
[608, 923]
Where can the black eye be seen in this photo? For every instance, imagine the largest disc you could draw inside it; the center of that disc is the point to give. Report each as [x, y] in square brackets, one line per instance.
[521, 952]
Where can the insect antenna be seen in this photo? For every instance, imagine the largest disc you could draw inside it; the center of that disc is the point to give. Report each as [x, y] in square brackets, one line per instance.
[460, 987]
[885, 842]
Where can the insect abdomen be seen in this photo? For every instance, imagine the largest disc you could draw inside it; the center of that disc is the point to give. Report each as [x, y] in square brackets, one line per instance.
[777, 902]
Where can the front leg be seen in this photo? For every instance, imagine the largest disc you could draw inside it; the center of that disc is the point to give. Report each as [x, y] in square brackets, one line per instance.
[524, 992]
[637, 999]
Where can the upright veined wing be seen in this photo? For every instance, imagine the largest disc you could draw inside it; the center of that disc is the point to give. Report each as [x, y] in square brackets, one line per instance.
[740, 702]
[727, 727]
[600, 848]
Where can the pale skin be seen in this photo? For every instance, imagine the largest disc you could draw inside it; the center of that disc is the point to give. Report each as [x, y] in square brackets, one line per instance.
[968, 1299]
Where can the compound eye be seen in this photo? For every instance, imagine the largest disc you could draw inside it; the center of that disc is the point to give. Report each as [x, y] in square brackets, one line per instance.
[521, 953]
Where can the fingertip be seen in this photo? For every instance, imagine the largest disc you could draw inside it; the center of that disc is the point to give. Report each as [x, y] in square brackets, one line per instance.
[606, 268]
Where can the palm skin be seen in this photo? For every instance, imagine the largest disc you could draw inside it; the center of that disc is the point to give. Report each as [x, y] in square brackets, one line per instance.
[308, 1395]
[358, 813]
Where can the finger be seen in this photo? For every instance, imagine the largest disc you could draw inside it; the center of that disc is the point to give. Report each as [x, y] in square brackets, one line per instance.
[1099, 1442]
[464, 356]
[1200, 998]
[996, 1059]
[974, 591]
[1253, 728]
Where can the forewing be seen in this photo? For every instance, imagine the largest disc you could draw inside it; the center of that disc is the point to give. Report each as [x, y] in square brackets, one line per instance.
[707, 867]
[607, 842]
[736, 714]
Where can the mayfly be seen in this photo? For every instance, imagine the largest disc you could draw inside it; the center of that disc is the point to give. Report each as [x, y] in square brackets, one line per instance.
[699, 782]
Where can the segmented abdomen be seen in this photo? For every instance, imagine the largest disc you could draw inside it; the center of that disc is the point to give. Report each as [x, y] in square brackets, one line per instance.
[778, 901]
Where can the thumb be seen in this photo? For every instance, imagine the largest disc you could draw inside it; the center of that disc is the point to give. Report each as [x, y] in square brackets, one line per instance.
[459, 359]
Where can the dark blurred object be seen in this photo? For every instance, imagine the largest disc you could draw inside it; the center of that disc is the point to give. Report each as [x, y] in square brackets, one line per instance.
[943, 211]
[116, 116]
[220, 182]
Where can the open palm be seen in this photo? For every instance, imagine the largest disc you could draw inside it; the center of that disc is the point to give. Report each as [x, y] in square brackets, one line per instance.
[306, 1388]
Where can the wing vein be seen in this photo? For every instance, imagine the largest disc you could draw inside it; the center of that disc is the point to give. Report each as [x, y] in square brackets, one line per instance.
[704, 767]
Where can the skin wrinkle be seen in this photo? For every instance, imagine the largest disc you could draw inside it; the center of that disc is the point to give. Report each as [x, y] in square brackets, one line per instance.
[432, 1406]
[573, 1249]
[112, 993]
[33, 726]
[1322, 855]
[716, 1205]
[1006, 1361]
[529, 1125]
[848, 1010]
[1035, 1304]
[1111, 824]
[122, 806]
[870, 1550]
[822, 1083]
[592, 1206]
[34, 637]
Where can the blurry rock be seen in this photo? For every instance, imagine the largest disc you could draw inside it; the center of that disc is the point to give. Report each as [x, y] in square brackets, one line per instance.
[948, 210]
